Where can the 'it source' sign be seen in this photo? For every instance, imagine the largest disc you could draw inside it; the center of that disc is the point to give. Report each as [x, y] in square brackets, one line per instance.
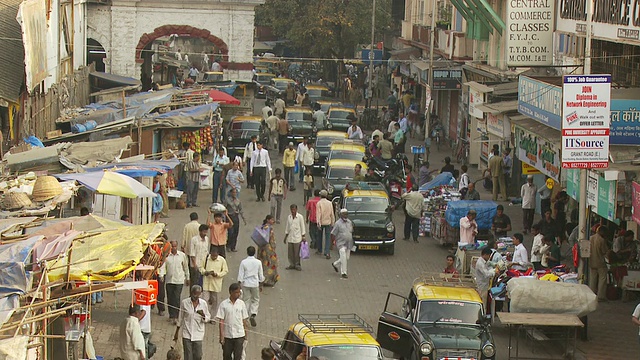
[530, 32]
[586, 101]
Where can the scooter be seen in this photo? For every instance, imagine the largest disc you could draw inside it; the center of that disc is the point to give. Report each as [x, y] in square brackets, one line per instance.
[395, 185]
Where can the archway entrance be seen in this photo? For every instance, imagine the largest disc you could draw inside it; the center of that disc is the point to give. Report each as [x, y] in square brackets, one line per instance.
[96, 54]
[169, 51]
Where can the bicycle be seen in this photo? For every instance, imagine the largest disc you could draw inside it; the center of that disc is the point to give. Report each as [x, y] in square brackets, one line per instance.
[462, 152]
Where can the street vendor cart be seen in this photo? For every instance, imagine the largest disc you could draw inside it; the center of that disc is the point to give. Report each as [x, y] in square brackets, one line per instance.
[448, 232]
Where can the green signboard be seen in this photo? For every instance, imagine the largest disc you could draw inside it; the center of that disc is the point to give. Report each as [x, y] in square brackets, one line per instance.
[601, 194]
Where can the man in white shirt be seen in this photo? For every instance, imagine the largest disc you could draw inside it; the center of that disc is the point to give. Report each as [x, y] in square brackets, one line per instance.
[194, 314]
[355, 132]
[260, 165]
[197, 253]
[414, 206]
[213, 272]
[294, 234]
[216, 66]
[528, 195]
[251, 277]
[265, 110]
[520, 256]
[468, 228]
[247, 157]
[319, 117]
[145, 326]
[308, 157]
[131, 343]
[536, 248]
[272, 124]
[174, 270]
[279, 106]
[484, 273]
[232, 321]
[190, 230]
[302, 147]
[220, 159]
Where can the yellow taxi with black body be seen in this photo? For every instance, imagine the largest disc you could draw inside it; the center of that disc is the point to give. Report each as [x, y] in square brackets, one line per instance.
[278, 88]
[335, 337]
[339, 173]
[317, 92]
[239, 131]
[340, 117]
[326, 104]
[324, 139]
[212, 77]
[442, 318]
[261, 80]
[369, 210]
[301, 124]
[347, 150]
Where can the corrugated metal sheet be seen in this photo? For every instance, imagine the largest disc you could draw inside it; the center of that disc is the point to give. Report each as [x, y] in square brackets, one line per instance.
[11, 51]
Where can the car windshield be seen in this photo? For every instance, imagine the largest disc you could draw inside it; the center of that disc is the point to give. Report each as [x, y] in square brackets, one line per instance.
[213, 77]
[299, 116]
[347, 155]
[366, 203]
[327, 141]
[282, 85]
[263, 78]
[245, 125]
[445, 311]
[340, 173]
[339, 114]
[316, 93]
[347, 352]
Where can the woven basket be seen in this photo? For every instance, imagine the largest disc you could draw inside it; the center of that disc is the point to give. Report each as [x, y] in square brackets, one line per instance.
[45, 188]
[15, 200]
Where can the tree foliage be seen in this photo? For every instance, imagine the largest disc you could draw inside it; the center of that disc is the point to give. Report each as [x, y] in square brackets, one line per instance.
[325, 28]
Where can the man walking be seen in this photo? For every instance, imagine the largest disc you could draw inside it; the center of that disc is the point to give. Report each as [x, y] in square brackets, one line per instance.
[234, 178]
[272, 124]
[294, 234]
[232, 321]
[342, 236]
[192, 175]
[190, 230]
[484, 273]
[194, 314]
[326, 219]
[283, 130]
[175, 271]
[277, 193]
[213, 272]
[219, 231]
[597, 263]
[302, 147]
[414, 206]
[220, 159]
[260, 165]
[316, 242]
[132, 345]
[251, 277]
[199, 248]
[528, 195]
[308, 157]
[496, 168]
[247, 158]
[234, 209]
[289, 163]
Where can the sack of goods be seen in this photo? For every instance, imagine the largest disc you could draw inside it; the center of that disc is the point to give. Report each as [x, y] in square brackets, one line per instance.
[530, 295]
[217, 208]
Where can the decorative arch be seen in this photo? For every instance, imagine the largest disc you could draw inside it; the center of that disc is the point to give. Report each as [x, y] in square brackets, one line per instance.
[181, 30]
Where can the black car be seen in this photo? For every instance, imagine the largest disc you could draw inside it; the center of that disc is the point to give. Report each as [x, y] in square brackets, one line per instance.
[262, 82]
[301, 124]
[340, 117]
[278, 88]
[239, 131]
[324, 139]
[339, 173]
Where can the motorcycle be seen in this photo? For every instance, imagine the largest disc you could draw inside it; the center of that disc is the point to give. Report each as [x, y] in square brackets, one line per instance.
[395, 187]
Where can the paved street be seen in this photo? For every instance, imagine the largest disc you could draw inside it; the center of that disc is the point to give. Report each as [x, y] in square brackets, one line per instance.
[318, 289]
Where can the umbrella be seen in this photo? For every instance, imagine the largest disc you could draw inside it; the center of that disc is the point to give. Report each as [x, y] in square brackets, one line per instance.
[220, 96]
[110, 183]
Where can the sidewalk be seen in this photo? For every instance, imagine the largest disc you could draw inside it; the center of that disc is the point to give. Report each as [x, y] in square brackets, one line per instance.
[611, 333]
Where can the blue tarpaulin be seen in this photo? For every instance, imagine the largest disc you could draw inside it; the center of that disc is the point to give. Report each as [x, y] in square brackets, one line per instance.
[13, 277]
[440, 180]
[139, 168]
[458, 209]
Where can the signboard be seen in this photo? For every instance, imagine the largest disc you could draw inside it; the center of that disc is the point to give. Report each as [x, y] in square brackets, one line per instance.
[366, 55]
[498, 125]
[573, 183]
[530, 170]
[530, 35]
[32, 17]
[635, 202]
[612, 20]
[540, 101]
[625, 122]
[601, 194]
[585, 121]
[476, 98]
[447, 79]
[538, 152]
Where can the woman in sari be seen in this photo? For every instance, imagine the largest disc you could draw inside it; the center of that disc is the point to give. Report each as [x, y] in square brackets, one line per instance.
[267, 254]
[157, 204]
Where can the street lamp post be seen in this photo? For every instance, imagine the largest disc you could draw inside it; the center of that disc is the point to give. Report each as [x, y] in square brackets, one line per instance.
[371, 56]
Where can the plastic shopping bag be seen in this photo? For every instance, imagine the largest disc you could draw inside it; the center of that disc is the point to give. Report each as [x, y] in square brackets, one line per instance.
[260, 236]
[304, 250]
[296, 168]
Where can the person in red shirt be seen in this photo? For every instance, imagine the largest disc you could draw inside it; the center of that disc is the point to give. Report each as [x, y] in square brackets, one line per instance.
[311, 219]
[410, 179]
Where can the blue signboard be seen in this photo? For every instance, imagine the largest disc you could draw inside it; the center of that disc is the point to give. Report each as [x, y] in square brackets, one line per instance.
[625, 122]
[540, 101]
[377, 56]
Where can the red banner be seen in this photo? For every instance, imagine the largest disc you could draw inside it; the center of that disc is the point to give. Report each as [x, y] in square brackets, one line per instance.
[635, 202]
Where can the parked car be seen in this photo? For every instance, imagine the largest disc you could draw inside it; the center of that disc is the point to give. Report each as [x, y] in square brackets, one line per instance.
[347, 150]
[278, 88]
[210, 77]
[326, 104]
[239, 131]
[442, 318]
[368, 206]
[339, 173]
[324, 139]
[261, 80]
[318, 92]
[339, 117]
[336, 337]
[301, 124]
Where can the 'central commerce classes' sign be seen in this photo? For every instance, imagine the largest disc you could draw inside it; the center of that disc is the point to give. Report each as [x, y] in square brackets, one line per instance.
[542, 101]
[530, 32]
[612, 19]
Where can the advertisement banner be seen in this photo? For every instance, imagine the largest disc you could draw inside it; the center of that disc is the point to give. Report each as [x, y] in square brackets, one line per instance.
[612, 21]
[530, 36]
[447, 79]
[635, 202]
[538, 152]
[529, 170]
[495, 124]
[601, 194]
[625, 121]
[573, 183]
[476, 98]
[32, 17]
[586, 101]
[540, 101]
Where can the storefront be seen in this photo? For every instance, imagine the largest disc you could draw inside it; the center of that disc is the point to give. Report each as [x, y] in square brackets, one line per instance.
[475, 122]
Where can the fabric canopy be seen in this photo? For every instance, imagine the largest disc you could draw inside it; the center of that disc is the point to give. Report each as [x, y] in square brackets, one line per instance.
[220, 97]
[139, 168]
[110, 183]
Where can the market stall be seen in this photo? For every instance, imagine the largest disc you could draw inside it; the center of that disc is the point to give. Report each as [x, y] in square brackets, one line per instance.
[437, 193]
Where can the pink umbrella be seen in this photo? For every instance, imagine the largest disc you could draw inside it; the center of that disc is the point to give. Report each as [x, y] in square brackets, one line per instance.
[219, 96]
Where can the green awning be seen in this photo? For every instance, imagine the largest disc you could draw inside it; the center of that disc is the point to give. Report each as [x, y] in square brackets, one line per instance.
[475, 12]
[489, 14]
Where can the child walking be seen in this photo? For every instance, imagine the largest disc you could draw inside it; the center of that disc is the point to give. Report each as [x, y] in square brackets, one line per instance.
[308, 184]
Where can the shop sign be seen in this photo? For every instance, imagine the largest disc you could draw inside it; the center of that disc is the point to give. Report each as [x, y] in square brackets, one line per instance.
[405, 70]
[496, 125]
[635, 202]
[447, 79]
[612, 20]
[625, 122]
[528, 169]
[601, 194]
[538, 152]
[585, 121]
[530, 36]
[573, 183]
[476, 98]
[540, 101]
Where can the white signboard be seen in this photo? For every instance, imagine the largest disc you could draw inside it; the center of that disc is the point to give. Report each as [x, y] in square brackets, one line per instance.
[586, 101]
[476, 98]
[530, 32]
[612, 20]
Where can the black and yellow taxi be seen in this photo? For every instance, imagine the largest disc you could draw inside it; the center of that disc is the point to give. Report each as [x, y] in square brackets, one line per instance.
[261, 80]
[317, 92]
[278, 88]
[442, 318]
[301, 124]
[340, 117]
[347, 150]
[326, 104]
[339, 173]
[369, 209]
[324, 139]
[239, 131]
[335, 337]
[209, 77]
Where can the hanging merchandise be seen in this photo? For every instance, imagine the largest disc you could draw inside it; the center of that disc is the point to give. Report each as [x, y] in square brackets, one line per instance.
[199, 140]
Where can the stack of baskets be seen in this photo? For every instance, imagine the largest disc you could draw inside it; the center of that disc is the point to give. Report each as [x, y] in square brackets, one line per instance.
[46, 188]
[15, 201]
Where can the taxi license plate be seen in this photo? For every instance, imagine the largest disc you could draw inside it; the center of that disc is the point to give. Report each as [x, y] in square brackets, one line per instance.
[369, 247]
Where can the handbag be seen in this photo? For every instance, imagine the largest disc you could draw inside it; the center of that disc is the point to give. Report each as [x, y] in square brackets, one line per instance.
[304, 250]
[260, 236]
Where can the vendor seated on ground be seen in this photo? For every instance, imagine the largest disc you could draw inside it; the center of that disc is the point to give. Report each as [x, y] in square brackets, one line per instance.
[451, 268]
[501, 223]
[624, 248]
[550, 253]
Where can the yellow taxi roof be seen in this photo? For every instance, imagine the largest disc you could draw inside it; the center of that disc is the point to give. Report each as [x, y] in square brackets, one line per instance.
[266, 74]
[316, 87]
[321, 102]
[298, 109]
[340, 108]
[313, 339]
[345, 163]
[432, 292]
[362, 193]
[283, 79]
[247, 118]
[348, 147]
[214, 72]
[332, 134]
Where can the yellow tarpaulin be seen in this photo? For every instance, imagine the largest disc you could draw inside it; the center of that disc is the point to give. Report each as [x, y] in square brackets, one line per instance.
[107, 256]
